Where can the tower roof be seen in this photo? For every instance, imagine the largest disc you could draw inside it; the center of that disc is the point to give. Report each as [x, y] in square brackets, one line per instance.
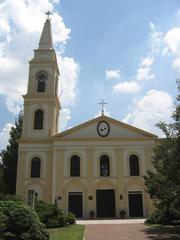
[46, 41]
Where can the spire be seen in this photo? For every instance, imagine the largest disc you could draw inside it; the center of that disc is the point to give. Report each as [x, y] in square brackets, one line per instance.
[46, 36]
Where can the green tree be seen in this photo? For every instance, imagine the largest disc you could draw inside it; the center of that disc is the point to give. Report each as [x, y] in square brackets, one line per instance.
[164, 183]
[18, 221]
[9, 158]
[1, 180]
[49, 214]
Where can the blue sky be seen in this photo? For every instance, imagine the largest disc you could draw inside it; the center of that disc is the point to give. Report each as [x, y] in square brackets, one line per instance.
[126, 52]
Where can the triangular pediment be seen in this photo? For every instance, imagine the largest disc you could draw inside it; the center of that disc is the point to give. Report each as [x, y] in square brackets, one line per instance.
[118, 130]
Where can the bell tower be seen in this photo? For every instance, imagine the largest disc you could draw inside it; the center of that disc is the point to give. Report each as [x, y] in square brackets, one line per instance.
[41, 103]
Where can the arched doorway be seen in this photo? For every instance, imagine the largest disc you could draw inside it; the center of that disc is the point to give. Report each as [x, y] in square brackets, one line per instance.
[135, 201]
[105, 203]
[105, 199]
[75, 192]
[135, 198]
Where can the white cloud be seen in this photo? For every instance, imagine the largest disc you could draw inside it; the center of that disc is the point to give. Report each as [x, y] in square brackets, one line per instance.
[147, 62]
[8, 64]
[176, 63]
[144, 74]
[155, 106]
[12, 84]
[14, 106]
[69, 76]
[172, 40]
[127, 87]
[21, 24]
[168, 43]
[65, 116]
[4, 135]
[172, 46]
[60, 32]
[156, 38]
[112, 74]
[4, 26]
[144, 71]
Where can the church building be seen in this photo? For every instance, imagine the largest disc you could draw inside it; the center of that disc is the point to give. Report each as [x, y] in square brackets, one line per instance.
[93, 169]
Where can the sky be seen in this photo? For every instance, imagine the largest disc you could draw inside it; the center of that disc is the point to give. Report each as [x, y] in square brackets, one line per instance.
[125, 52]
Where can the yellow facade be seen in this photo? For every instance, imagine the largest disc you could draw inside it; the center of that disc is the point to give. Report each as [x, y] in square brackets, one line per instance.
[109, 166]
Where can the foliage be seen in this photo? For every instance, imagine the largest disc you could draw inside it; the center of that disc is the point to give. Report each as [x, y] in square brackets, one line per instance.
[70, 232]
[9, 158]
[164, 183]
[70, 218]
[50, 214]
[19, 222]
[2, 187]
[157, 217]
[91, 214]
[6, 197]
[3, 220]
[122, 213]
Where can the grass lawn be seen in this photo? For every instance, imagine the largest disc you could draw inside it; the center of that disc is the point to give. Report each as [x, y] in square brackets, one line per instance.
[72, 232]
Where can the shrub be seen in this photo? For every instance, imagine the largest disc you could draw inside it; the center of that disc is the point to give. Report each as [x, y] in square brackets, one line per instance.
[50, 214]
[153, 218]
[6, 197]
[3, 220]
[20, 222]
[122, 213]
[162, 216]
[62, 221]
[91, 214]
[70, 218]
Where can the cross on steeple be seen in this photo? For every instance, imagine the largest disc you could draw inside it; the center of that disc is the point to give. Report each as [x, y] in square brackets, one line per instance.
[48, 13]
[102, 103]
[46, 41]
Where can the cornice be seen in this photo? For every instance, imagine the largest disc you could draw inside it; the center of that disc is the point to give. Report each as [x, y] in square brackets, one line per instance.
[35, 140]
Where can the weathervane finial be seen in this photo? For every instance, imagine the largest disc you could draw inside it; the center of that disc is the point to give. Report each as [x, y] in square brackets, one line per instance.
[102, 103]
[48, 13]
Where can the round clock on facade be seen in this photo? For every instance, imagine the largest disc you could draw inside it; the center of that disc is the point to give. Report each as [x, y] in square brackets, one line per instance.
[103, 128]
[42, 76]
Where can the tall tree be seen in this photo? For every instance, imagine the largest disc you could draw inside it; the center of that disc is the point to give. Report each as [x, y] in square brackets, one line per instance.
[9, 157]
[164, 183]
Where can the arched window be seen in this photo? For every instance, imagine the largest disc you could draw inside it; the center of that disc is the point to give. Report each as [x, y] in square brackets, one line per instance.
[104, 166]
[38, 119]
[134, 165]
[41, 86]
[35, 167]
[75, 166]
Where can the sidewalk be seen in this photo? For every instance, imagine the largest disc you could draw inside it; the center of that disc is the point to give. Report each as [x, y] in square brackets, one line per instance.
[111, 221]
[127, 229]
[134, 231]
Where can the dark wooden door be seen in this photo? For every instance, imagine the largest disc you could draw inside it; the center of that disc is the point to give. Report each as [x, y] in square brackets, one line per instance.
[75, 204]
[105, 203]
[135, 204]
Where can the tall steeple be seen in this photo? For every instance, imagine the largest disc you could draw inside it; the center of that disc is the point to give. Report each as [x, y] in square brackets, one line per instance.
[46, 41]
[41, 103]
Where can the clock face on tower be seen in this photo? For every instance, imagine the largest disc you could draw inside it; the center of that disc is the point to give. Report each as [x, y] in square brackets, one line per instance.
[103, 128]
[42, 76]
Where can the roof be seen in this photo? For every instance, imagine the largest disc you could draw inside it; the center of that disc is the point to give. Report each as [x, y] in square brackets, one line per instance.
[118, 130]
